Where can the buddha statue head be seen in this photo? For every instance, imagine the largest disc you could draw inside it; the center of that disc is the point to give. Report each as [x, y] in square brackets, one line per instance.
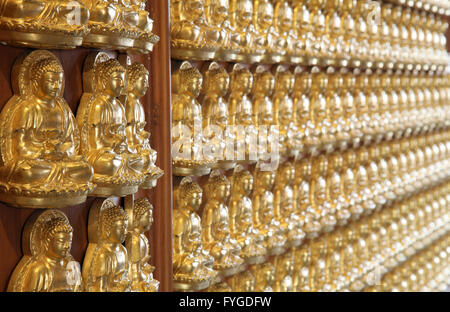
[216, 83]
[218, 187]
[264, 86]
[114, 224]
[57, 238]
[137, 79]
[46, 79]
[335, 163]
[142, 215]
[284, 16]
[216, 11]
[263, 15]
[241, 14]
[189, 195]
[241, 112]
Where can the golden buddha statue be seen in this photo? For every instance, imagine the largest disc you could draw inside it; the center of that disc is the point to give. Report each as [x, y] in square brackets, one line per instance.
[319, 112]
[118, 170]
[215, 117]
[241, 218]
[217, 17]
[349, 186]
[302, 262]
[41, 162]
[285, 40]
[138, 139]
[351, 124]
[335, 194]
[323, 210]
[192, 264]
[303, 198]
[284, 267]
[47, 265]
[335, 280]
[248, 39]
[187, 137]
[302, 113]
[335, 110]
[283, 108]
[319, 39]
[385, 36]
[264, 277]
[263, 212]
[387, 97]
[140, 213]
[263, 114]
[349, 31]
[348, 255]
[284, 211]
[366, 196]
[215, 229]
[362, 35]
[317, 269]
[361, 104]
[265, 39]
[242, 282]
[333, 27]
[191, 35]
[240, 114]
[106, 264]
[301, 31]
[374, 100]
[44, 25]
[376, 184]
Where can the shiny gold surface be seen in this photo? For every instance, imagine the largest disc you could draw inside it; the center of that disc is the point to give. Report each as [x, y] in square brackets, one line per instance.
[40, 141]
[47, 265]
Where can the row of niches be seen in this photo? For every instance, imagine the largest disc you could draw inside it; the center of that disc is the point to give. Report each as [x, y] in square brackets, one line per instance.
[49, 158]
[274, 114]
[116, 259]
[344, 33]
[441, 7]
[335, 222]
[123, 25]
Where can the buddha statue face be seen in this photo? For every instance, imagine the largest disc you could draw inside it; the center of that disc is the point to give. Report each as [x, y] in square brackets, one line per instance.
[321, 165]
[218, 11]
[268, 273]
[305, 169]
[267, 179]
[284, 17]
[114, 221]
[243, 14]
[265, 15]
[114, 83]
[194, 9]
[58, 238]
[362, 156]
[191, 82]
[285, 82]
[190, 195]
[48, 81]
[303, 194]
[267, 209]
[138, 82]
[143, 214]
[243, 81]
[349, 184]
